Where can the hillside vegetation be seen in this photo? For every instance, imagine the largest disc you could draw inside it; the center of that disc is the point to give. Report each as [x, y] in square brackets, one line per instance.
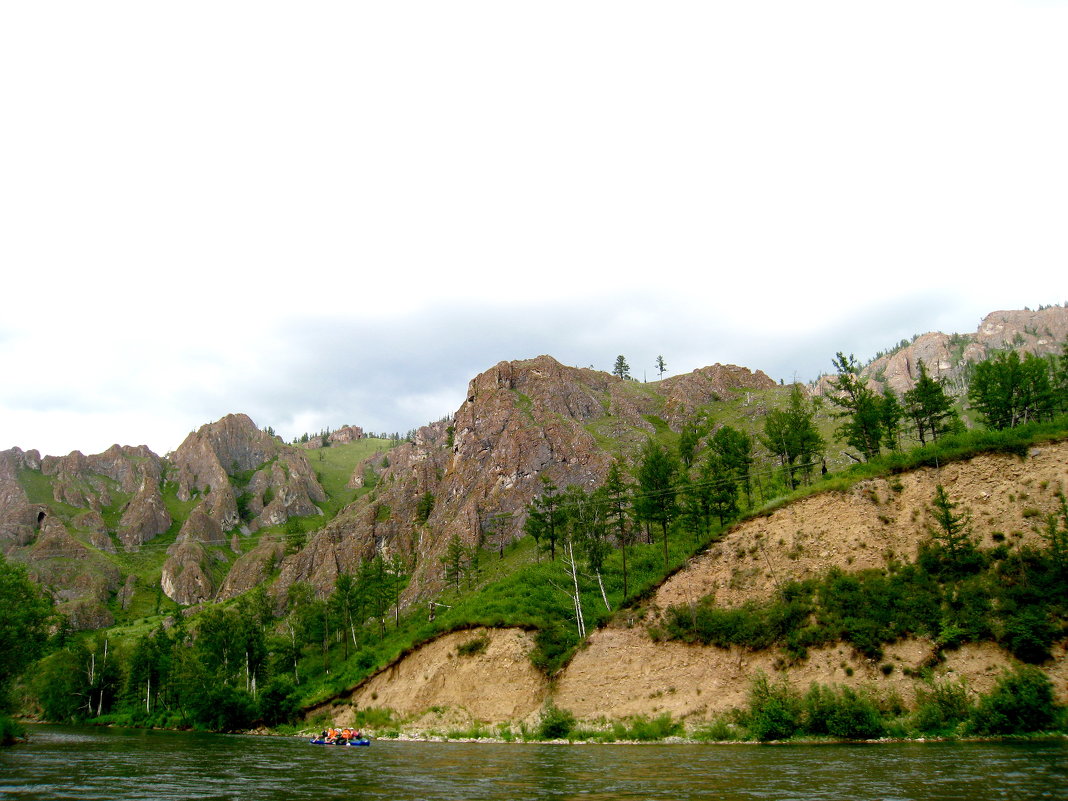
[555, 502]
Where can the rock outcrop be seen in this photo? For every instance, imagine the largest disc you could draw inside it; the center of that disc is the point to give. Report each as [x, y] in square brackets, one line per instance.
[947, 356]
[19, 519]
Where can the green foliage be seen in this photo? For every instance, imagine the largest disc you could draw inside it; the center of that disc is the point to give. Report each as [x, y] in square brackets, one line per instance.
[545, 517]
[10, 731]
[862, 409]
[476, 645]
[656, 501]
[220, 707]
[424, 507]
[1009, 391]
[952, 528]
[556, 723]
[1020, 703]
[24, 623]
[278, 702]
[929, 408]
[941, 707]
[791, 435]
[841, 712]
[773, 712]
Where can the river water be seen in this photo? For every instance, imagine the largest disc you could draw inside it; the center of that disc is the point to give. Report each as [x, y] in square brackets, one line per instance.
[86, 763]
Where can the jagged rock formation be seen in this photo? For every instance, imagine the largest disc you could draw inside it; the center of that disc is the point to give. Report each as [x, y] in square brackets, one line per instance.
[521, 420]
[947, 356]
[282, 486]
[19, 519]
[216, 453]
[470, 476]
[66, 538]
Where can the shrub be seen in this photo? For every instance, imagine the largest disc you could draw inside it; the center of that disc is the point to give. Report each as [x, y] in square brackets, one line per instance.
[1021, 702]
[841, 712]
[644, 729]
[556, 723]
[773, 712]
[10, 730]
[220, 707]
[941, 707]
[1029, 634]
[476, 645]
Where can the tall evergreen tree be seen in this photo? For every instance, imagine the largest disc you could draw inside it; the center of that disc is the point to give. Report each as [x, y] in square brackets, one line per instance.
[656, 500]
[621, 368]
[616, 494]
[791, 435]
[736, 450]
[929, 408]
[545, 517]
[861, 408]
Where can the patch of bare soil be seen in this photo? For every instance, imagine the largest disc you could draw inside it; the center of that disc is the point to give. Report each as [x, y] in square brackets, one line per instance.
[874, 523]
[482, 675]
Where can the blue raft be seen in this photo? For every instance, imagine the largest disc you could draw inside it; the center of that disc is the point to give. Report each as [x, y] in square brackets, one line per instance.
[321, 741]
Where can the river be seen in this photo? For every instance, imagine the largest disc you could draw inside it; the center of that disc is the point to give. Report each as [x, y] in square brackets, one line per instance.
[87, 763]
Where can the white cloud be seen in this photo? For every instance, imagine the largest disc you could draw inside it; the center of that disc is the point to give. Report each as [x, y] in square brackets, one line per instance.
[339, 213]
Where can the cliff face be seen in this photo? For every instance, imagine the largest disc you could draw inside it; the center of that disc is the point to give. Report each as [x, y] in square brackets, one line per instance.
[947, 356]
[62, 516]
[521, 420]
[623, 672]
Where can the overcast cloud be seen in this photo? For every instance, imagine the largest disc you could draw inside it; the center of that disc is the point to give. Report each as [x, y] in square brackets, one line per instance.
[341, 212]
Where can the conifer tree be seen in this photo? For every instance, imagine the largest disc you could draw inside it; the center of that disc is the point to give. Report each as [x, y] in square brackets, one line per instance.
[656, 501]
[792, 436]
[929, 408]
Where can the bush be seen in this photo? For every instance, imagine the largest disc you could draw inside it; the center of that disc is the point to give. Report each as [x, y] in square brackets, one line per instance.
[1029, 634]
[774, 711]
[1021, 702]
[221, 708]
[644, 729]
[556, 723]
[841, 712]
[941, 708]
[10, 730]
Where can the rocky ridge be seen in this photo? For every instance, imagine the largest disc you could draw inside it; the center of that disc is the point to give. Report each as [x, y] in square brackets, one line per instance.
[948, 356]
[99, 504]
[520, 421]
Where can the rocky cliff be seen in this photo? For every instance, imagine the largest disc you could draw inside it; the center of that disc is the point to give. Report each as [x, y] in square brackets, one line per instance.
[67, 517]
[948, 356]
[520, 421]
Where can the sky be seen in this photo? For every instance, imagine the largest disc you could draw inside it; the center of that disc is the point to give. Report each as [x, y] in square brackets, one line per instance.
[332, 213]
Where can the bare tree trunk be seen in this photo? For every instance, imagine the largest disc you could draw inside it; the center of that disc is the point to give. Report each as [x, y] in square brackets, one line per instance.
[604, 595]
[579, 620]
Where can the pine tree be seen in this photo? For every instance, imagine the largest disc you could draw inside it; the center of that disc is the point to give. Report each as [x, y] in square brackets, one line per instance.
[621, 368]
[657, 501]
[929, 407]
[792, 436]
[862, 409]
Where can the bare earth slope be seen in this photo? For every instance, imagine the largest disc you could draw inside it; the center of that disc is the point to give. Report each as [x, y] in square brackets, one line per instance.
[622, 672]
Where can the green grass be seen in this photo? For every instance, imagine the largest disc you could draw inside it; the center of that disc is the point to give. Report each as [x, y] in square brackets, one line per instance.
[335, 465]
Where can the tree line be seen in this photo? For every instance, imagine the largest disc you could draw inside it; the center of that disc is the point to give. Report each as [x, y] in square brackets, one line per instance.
[229, 666]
